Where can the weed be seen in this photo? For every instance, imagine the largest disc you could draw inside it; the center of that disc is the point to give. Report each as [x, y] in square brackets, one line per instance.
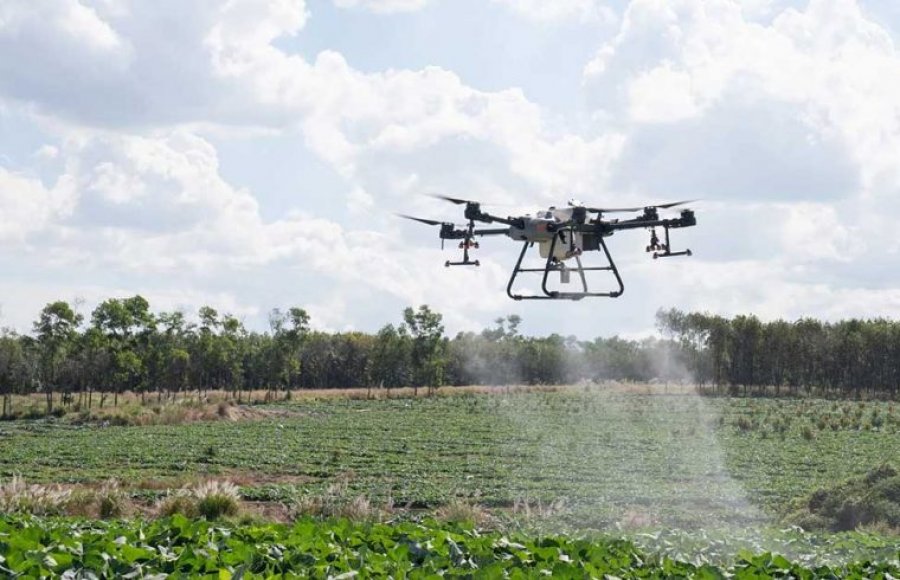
[17, 496]
[216, 499]
[178, 503]
[112, 502]
[462, 510]
[744, 423]
[336, 501]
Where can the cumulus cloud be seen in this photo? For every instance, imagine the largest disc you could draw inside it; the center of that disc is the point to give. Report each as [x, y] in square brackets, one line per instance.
[562, 10]
[26, 206]
[779, 115]
[681, 59]
[157, 206]
[384, 6]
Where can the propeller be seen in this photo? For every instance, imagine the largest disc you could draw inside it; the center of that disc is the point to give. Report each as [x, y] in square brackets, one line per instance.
[675, 203]
[421, 220]
[642, 208]
[455, 200]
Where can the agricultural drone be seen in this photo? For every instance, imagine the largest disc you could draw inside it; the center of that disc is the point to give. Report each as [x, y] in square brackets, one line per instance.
[562, 234]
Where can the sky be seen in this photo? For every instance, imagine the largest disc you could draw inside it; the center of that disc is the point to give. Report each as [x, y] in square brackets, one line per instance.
[250, 154]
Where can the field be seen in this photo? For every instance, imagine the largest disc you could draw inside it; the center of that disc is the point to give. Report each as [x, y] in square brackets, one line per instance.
[669, 469]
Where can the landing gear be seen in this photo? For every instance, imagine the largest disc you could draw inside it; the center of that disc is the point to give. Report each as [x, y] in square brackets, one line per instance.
[663, 250]
[553, 264]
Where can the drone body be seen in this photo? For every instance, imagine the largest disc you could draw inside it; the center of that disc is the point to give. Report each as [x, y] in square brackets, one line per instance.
[562, 235]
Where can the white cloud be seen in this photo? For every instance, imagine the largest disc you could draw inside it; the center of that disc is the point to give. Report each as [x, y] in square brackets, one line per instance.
[661, 95]
[83, 23]
[561, 10]
[156, 206]
[679, 59]
[79, 23]
[26, 206]
[788, 115]
[384, 6]
[46, 152]
[348, 116]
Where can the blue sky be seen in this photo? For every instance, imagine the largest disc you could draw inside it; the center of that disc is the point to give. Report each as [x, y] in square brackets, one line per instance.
[251, 154]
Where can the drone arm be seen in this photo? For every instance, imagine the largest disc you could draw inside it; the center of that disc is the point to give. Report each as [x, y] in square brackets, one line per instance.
[490, 231]
[474, 213]
[687, 219]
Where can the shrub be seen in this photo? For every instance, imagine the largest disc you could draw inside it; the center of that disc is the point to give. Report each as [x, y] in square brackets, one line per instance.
[873, 499]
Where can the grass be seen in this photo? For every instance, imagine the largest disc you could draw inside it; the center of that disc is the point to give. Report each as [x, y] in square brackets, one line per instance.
[872, 501]
[611, 457]
[680, 474]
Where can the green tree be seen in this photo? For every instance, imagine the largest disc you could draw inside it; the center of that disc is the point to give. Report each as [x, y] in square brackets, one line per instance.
[427, 331]
[13, 368]
[56, 329]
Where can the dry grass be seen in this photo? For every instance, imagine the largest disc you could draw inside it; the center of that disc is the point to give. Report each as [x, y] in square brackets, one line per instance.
[209, 499]
[18, 496]
[464, 510]
[337, 502]
[538, 508]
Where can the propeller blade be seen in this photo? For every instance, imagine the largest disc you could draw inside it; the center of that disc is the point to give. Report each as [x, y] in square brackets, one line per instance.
[675, 203]
[642, 208]
[455, 200]
[420, 220]
[613, 209]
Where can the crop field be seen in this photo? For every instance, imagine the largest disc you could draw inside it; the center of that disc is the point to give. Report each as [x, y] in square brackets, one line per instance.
[639, 461]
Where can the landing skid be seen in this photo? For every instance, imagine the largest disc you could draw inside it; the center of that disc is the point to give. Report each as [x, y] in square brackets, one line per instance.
[553, 265]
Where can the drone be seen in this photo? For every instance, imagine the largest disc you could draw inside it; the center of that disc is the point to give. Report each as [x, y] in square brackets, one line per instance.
[562, 236]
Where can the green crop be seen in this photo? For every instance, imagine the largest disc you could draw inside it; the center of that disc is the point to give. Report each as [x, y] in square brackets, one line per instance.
[179, 548]
[607, 458]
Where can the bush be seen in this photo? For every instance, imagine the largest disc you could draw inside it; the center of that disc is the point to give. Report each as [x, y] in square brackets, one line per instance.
[871, 500]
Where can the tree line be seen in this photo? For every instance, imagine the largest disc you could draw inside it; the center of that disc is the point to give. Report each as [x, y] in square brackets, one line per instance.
[849, 358]
[123, 346]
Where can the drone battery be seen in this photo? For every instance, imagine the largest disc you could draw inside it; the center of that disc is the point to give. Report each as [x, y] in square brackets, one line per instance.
[590, 242]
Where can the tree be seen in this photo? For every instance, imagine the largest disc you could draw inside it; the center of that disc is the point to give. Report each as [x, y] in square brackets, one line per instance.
[13, 368]
[390, 361]
[127, 324]
[289, 331]
[56, 329]
[427, 347]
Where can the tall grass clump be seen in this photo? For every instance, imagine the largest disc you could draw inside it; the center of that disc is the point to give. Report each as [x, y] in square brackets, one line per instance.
[17, 496]
[336, 502]
[216, 499]
[112, 501]
[211, 500]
